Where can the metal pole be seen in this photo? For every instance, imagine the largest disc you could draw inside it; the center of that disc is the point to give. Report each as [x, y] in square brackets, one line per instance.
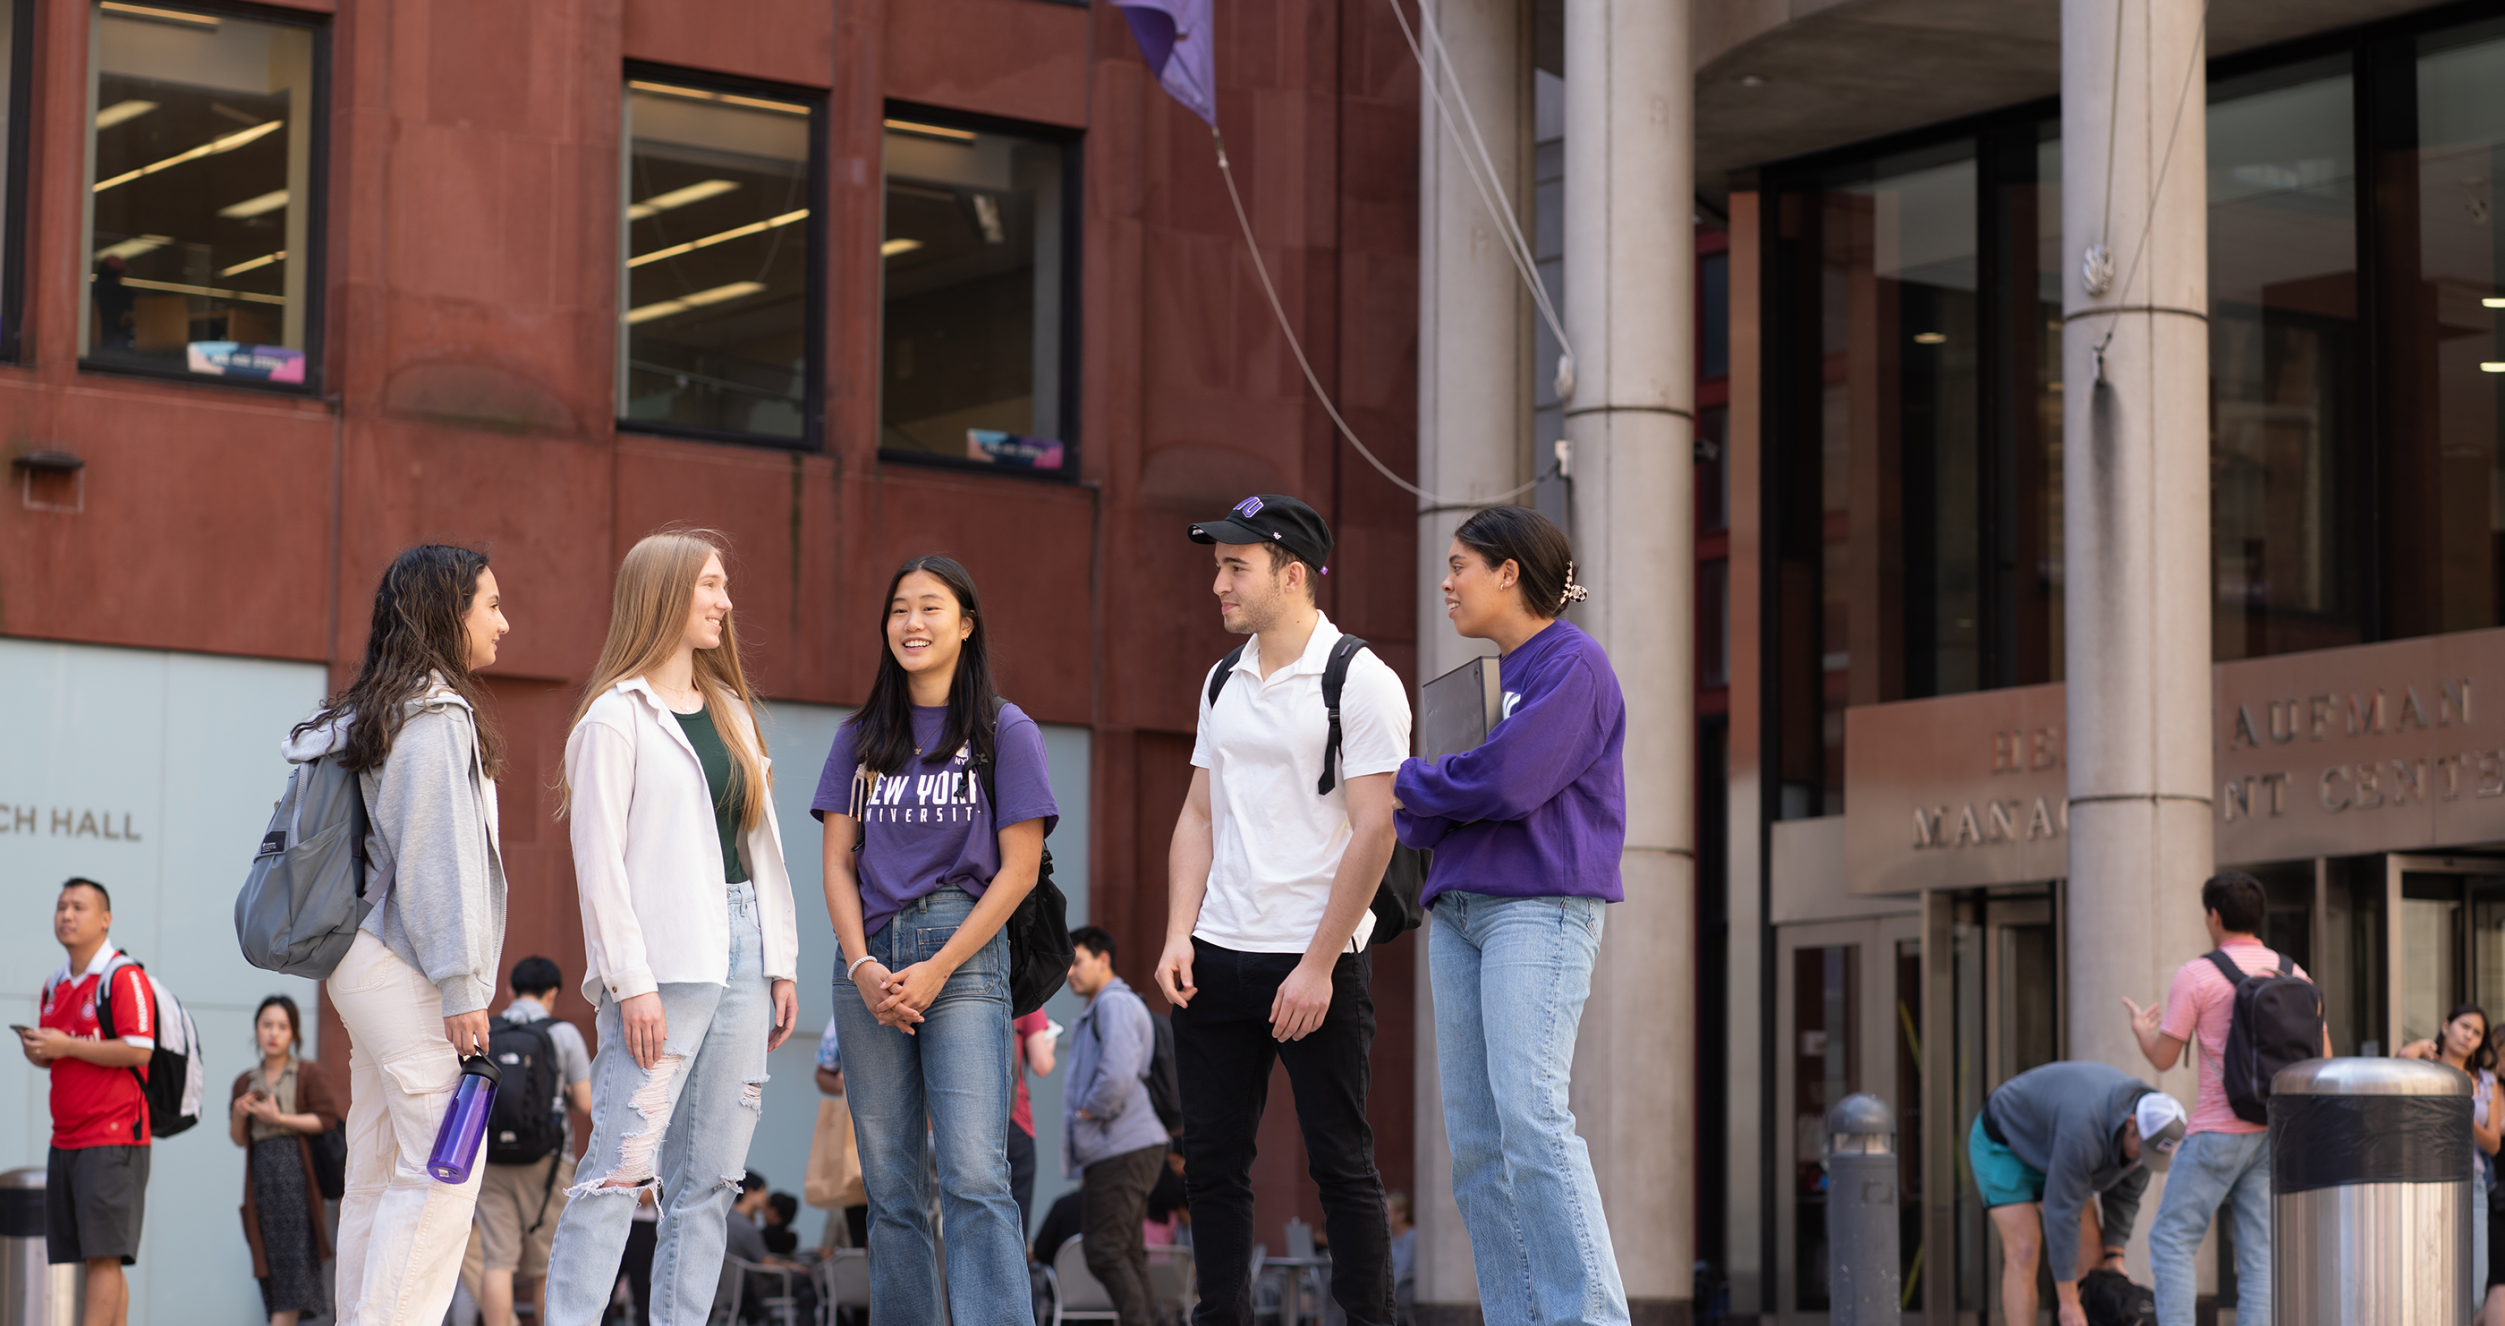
[1864, 1266]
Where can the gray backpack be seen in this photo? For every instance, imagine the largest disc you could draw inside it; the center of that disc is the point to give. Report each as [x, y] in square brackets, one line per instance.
[305, 897]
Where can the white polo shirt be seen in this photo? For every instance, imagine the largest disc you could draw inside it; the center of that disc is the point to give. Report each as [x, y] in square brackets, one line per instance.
[1278, 842]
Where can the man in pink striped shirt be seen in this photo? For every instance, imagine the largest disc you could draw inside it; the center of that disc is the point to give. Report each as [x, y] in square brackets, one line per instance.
[2223, 1158]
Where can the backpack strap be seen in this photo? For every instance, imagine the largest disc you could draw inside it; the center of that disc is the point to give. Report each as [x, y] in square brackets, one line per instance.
[2226, 966]
[1334, 678]
[1224, 670]
[113, 967]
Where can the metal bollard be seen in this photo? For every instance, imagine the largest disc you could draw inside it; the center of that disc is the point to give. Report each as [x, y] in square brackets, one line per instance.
[1863, 1271]
[32, 1292]
[2370, 1193]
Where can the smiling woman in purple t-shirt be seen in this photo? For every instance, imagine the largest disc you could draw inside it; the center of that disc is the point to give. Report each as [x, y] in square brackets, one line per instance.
[922, 872]
[1526, 830]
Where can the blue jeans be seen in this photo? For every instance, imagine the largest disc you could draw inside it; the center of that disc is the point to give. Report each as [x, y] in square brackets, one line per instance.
[684, 1123]
[2210, 1168]
[947, 1083]
[1510, 977]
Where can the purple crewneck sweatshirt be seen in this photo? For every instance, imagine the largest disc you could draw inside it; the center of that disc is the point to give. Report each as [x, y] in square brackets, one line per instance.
[1538, 810]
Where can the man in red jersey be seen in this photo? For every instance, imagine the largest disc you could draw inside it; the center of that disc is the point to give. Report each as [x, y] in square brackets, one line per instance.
[97, 1187]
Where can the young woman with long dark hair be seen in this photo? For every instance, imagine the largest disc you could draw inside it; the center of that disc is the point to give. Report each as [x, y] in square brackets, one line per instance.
[690, 945]
[413, 988]
[279, 1106]
[922, 872]
[1527, 829]
[2463, 1043]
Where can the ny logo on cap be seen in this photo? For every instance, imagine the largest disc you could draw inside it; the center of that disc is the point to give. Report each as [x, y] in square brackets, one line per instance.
[1248, 507]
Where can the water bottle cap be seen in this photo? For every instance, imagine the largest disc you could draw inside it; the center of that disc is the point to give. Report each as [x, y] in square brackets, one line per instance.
[479, 1065]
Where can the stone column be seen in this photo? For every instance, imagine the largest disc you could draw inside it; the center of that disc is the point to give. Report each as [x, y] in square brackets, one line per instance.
[2135, 504]
[1630, 267]
[1474, 442]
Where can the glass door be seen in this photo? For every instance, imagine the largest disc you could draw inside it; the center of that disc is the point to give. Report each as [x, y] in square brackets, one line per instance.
[2447, 940]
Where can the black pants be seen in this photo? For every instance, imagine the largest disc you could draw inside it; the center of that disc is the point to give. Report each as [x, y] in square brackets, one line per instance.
[1223, 1053]
[1022, 1177]
[1115, 1247]
[636, 1264]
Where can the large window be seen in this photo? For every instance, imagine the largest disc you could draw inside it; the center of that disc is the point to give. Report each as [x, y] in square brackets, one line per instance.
[2284, 363]
[717, 329]
[201, 235]
[978, 297]
[2447, 498]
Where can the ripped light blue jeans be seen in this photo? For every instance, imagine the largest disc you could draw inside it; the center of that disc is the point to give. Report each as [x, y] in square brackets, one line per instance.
[1510, 976]
[684, 1124]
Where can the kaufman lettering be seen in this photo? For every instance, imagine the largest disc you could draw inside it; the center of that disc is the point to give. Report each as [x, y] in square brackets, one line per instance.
[2381, 712]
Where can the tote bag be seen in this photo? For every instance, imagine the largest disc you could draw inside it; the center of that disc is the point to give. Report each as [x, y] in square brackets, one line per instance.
[834, 1160]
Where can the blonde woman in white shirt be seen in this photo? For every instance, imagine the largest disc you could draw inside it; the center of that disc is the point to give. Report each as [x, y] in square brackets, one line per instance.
[687, 928]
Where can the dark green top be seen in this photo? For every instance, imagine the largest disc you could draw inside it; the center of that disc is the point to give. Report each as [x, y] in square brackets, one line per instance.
[723, 777]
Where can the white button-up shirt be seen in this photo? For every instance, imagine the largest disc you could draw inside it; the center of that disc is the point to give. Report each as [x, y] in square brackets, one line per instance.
[648, 854]
[1278, 842]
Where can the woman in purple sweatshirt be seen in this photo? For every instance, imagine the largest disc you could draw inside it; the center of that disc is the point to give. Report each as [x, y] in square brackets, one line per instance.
[1526, 831]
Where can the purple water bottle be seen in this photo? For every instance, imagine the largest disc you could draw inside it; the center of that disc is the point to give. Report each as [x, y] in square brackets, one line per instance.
[465, 1123]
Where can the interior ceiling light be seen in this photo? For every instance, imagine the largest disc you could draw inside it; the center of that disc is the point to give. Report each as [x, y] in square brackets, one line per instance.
[719, 98]
[212, 292]
[895, 246]
[2493, 367]
[210, 148]
[160, 15]
[716, 295]
[268, 202]
[724, 237]
[1752, 80]
[1930, 338]
[2493, 301]
[254, 264]
[122, 111]
[134, 246]
[693, 193]
[941, 132]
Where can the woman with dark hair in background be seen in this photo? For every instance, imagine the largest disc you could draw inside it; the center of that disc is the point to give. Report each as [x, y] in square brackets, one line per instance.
[413, 988]
[1527, 829]
[278, 1109]
[2463, 1043]
[922, 872]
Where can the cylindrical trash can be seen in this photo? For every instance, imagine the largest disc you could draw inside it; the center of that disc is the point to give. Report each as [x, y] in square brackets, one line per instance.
[32, 1292]
[1863, 1273]
[2370, 1193]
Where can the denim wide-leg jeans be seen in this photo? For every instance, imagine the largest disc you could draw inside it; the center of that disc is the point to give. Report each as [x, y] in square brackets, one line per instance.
[947, 1083]
[1510, 976]
[684, 1124]
[2210, 1168]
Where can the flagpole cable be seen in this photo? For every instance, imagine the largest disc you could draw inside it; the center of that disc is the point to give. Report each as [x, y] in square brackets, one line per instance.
[1508, 226]
[1261, 269]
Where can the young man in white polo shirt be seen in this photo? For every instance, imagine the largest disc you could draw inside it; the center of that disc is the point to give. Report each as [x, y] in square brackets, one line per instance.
[1275, 861]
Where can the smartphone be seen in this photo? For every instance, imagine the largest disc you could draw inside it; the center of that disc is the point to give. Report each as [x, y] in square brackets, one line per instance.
[21, 1029]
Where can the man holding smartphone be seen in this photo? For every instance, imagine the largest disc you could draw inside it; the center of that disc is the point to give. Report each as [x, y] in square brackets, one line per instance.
[97, 1186]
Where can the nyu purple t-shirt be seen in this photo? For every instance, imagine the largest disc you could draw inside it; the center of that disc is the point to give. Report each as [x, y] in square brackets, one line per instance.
[927, 828]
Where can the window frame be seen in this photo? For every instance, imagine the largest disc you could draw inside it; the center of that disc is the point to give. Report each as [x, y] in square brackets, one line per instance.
[13, 343]
[317, 204]
[1072, 143]
[813, 289]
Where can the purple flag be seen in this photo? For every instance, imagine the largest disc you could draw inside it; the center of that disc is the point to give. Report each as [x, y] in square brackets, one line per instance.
[1175, 39]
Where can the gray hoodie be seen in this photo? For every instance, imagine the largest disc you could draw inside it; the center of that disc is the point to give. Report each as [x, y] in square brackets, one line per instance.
[1110, 1052]
[434, 847]
[2065, 1120]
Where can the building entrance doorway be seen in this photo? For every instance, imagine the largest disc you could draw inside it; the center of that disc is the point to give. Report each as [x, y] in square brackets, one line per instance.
[2448, 947]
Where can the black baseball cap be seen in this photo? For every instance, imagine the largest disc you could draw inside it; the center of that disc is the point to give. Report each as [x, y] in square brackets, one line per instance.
[1273, 518]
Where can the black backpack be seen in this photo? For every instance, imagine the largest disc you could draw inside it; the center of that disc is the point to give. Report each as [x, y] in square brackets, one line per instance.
[175, 1076]
[1165, 1086]
[2109, 1298]
[1395, 906]
[1039, 930]
[525, 1124]
[2277, 1022]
